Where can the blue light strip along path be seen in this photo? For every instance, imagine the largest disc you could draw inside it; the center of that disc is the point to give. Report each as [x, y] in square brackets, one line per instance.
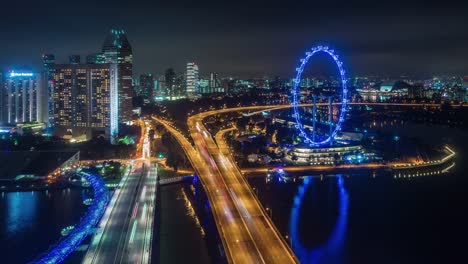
[68, 244]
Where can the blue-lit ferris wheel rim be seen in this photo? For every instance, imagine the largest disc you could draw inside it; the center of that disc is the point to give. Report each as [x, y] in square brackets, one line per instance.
[297, 81]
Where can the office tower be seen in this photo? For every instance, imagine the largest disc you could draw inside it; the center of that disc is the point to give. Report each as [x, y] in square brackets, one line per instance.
[214, 85]
[156, 85]
[96, 58]
[74, 59]
[192, 79]
[204, 85]
[169, 79]
[117, 50]
[465, 88]
[86, 99]
[161, 87]
[2, 100]
[147, 86]
[24, 97]
[179, 86]
[48, 62]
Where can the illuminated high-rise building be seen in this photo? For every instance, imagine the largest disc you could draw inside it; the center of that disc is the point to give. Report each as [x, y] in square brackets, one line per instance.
[96, 58]
[48, 62]
[24, 97]
[74, 59]
[117, 50]
[192, 79]
[214, 84]
[147, 86]
[86, 99]
[2, 99]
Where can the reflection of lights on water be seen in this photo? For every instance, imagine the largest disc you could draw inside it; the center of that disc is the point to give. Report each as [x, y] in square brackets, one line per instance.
[191, 211]
[330, 250]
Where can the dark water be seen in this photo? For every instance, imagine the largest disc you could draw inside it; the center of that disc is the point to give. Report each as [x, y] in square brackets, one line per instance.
[31, 221]
[375, 218]
[179, 235]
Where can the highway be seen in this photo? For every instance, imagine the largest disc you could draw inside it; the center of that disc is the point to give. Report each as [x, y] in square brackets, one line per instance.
[107, 244]
[139, 237]
[124, 234]
[269, 243]
[247, 234]
[237, 242]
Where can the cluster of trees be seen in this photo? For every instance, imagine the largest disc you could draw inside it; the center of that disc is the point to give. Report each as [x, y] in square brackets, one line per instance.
[110, 170]
[175, 156]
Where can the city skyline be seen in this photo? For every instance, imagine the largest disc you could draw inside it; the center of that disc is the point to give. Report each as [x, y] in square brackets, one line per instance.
[247, 132]
[254, 40]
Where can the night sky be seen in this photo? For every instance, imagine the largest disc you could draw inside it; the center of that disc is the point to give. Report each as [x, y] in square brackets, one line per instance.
[244, 38]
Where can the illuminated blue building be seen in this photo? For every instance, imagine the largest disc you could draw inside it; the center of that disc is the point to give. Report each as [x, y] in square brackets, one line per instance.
[24, 97]
[48, 62]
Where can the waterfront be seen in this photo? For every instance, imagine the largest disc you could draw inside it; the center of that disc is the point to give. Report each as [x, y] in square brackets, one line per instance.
[373, 217]
[31, 221]
[179, 236]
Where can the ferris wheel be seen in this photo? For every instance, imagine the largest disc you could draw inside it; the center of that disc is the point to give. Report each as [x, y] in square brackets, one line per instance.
[312, 138]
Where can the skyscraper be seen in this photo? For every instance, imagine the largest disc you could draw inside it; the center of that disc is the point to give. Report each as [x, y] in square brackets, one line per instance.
[74, 59]
[169, 79]
[215, 85]
[86, 99]
[24, 97]
[96, 58]
[48, 62]
[2, 100]
[117, 50]
[192, 79]
[147, 86]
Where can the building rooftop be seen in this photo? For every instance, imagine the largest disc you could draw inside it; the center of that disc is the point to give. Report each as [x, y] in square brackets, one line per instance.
[116, 40]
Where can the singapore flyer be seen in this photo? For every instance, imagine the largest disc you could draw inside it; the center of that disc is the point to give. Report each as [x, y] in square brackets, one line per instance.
[313, 139]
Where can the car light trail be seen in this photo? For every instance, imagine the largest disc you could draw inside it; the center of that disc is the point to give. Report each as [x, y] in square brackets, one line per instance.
[135, 210]
[132, 235]
[143, 213]
[143, 193]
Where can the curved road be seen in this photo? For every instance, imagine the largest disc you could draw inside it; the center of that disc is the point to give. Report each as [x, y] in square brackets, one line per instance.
[248, 235]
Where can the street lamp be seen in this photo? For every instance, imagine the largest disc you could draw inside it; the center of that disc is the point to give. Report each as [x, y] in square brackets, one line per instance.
[270, 210]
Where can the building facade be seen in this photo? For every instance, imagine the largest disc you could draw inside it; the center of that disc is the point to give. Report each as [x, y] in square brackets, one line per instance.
[96, 58]
[192, 79]
[147, 86]
[74, 59]
[117, 50]
[86, 99]
[24, 97]
[48, 62]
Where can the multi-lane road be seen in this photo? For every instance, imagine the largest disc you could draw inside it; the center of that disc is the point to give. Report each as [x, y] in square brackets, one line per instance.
[247, 233]
[124, 233]
[270, 245]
